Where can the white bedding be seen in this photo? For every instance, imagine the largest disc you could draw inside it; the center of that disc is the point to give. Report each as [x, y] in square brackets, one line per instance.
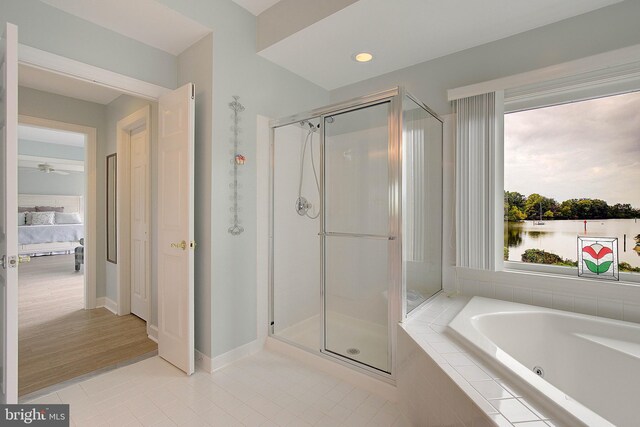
[30, 234]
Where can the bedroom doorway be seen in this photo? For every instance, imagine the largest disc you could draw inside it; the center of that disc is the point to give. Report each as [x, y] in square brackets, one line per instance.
[57, 182]
[55, 219]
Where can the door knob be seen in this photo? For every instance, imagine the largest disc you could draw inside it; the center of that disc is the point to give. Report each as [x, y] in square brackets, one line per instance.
[182, 245]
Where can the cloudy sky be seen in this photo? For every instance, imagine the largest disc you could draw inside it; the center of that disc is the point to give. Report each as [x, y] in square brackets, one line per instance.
[585, 149]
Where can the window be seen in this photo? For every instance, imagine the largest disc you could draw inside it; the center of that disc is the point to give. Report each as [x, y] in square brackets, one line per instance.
[571, 170]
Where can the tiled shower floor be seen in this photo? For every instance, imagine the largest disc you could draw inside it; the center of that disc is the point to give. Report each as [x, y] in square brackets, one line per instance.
[343, 333]
[265, 389]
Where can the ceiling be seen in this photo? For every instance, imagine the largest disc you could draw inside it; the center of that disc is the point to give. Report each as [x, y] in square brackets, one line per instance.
[47, 81]
[402, 33]
[399, 33]
[52, 136]
[256, 6]
[147, 21]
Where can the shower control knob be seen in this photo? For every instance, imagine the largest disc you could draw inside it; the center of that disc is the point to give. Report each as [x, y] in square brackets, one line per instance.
[302, 206]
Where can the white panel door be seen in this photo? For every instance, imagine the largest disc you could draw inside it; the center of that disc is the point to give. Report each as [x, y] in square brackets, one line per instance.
[175, 227]
[8, 216]
[139, 224]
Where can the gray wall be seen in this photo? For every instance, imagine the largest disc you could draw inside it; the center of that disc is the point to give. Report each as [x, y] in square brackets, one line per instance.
[44, 149]
[118, 109]
[264, 88]
[599, 31]
[61, 108]
[47, 28]
[32, 181]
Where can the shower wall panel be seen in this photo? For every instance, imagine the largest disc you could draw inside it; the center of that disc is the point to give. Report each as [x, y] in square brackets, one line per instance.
[296, 244]
[421, 217]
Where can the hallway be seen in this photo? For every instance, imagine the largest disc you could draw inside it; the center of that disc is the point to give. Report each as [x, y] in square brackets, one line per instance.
[58, 339]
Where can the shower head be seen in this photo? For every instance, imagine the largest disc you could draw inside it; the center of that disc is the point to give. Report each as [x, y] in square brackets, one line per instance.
[312, 127]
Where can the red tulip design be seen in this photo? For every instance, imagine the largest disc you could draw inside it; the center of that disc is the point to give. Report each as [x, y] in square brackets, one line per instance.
[598, 252]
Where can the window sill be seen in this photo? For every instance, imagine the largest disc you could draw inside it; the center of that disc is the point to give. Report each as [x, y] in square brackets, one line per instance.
[626, 279]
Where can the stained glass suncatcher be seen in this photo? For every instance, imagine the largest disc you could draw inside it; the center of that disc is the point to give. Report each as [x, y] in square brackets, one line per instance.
[598, 257]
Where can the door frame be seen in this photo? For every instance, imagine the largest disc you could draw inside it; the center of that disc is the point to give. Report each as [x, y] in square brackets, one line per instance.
[90, 199]
[41, 59]
[141, 117]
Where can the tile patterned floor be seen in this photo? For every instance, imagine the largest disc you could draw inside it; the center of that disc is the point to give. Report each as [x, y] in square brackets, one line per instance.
[265, 389]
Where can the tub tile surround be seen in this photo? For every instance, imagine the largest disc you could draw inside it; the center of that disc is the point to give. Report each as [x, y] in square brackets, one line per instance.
[608, 299]
[441, 383]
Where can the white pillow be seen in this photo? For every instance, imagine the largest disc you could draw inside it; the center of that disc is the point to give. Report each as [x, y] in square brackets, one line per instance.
[22, 218]
[42, 218]
[68, 218]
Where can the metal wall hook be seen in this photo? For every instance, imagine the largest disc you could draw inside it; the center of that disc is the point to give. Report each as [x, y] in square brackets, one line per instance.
[237, 160]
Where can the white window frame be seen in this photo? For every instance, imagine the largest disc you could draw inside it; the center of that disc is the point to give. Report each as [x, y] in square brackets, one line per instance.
[581, 87]
[606, 74]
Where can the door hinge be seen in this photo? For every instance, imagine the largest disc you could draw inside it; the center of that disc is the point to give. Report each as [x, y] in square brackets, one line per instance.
[193, 91]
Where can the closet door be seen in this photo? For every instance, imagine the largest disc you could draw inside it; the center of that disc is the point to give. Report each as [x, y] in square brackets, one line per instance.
[176, 133]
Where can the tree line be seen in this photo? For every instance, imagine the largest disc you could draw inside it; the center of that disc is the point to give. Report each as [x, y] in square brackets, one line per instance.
[518, 207]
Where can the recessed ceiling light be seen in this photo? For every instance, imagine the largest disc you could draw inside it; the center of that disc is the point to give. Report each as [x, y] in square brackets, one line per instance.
[363, 57]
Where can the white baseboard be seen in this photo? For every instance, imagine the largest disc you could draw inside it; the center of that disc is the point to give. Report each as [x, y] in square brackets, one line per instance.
[223, 360]
[108, 304]
[209, 364]
[203, 362]
[152, 332]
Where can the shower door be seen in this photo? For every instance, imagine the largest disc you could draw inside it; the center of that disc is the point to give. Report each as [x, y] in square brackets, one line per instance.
[357, 234]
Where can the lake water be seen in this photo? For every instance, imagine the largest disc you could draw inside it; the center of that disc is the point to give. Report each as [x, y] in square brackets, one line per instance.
[560, 237]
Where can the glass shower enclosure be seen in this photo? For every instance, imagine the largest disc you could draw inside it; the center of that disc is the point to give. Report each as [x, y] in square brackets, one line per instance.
[356, 225]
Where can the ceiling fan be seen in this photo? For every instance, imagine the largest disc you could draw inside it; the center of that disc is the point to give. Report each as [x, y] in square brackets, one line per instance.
[46, 168]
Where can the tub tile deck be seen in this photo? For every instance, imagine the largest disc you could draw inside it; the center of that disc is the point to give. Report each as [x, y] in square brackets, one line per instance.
[502, 403]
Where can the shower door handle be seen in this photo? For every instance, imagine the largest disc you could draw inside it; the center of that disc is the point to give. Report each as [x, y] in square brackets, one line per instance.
[365, 236]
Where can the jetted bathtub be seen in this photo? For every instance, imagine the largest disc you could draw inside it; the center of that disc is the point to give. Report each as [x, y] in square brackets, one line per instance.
[584, 369]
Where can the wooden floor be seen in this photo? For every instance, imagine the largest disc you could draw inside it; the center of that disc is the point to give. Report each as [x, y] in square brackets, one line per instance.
[58, 339]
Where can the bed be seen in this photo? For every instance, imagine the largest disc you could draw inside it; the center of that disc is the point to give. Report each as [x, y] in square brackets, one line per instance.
[51, 238]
